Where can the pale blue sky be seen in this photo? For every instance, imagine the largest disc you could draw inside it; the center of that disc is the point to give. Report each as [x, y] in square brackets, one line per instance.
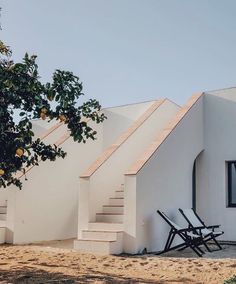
[128, 51]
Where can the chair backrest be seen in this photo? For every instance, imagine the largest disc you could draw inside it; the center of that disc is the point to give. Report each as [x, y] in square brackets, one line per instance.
[169, 221]
[192, 217]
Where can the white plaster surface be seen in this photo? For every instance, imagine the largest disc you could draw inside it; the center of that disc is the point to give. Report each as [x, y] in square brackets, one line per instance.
[109, 176]
[219, 143]
[47, 206]
[165, 181]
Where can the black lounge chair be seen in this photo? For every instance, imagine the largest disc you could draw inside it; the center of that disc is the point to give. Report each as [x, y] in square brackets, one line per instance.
[194, 221]
[189, 236]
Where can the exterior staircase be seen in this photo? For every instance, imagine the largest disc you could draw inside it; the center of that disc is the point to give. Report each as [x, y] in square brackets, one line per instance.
[105, 236]
[3, 217]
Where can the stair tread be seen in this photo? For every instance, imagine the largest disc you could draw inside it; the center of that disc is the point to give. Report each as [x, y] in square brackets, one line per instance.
[106, 223]
[119, 190]
[116, 197]
[113, 205]
[109, 214]
[97, 240]
[105, 231]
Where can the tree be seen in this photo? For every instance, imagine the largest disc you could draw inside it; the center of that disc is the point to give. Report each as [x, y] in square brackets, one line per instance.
[21, 91]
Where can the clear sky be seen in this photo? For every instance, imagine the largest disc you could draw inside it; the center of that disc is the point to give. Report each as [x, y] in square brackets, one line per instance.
[127, 51]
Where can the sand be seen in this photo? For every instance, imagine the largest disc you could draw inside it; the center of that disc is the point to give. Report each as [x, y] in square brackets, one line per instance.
[51, 263]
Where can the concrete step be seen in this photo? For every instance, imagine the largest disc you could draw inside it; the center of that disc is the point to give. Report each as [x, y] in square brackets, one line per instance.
[2, 235]
[119, 193]
[3, 202]
[100, 235]
[113, 209]
[116, 201]
[100, 246]
[3, 216]
[3, 209]
[109, 217]
[105, 226]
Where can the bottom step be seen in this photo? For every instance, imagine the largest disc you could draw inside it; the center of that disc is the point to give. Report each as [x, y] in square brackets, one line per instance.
[2, 235]
[98, 246]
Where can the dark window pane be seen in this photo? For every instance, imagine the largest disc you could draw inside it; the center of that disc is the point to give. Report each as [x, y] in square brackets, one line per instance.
[232, 183]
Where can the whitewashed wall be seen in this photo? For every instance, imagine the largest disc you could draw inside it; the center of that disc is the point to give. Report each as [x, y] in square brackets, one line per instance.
[119, 119]
[165, 183]
[220, 146]
[47, 206]
[96, 190]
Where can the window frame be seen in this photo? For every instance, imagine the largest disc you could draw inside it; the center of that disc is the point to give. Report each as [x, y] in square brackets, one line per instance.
[229, 184]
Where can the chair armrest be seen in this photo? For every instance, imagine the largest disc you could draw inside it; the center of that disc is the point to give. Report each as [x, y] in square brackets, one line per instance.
[213, 226]
[191, 229]
[198, 228]
[185, 230]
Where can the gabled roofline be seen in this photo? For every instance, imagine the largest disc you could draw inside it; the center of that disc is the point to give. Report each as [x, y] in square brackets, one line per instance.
[50, 130]
[122, 138]
[140, 163]
[59, 142]
[217, 90]
[131, 104]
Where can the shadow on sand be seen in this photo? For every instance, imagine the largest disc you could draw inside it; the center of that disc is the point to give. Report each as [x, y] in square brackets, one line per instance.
[38, 276]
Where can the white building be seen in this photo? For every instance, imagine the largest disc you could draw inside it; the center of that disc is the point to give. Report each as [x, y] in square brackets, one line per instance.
[106, 192]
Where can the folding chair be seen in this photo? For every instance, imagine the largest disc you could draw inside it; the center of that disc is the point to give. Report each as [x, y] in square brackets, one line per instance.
[190, 239]
[195, 221]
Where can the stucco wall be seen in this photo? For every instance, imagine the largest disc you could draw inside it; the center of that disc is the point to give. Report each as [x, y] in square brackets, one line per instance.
[119, 119]
[47, 206]
[110, 175]
[220, 137]
[165, 181]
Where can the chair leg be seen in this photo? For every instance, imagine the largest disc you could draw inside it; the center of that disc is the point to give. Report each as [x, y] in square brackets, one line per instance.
[183, 248]
[169, 249]
[201, 251]
[195, 249]
[196, 245]
[169, 240]
[206, 246]
[216, 242]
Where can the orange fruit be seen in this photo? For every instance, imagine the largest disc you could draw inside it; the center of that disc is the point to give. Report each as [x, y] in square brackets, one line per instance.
[44, 110]
[19, 152]
[43, 115]
[62, 117]
[2, 172]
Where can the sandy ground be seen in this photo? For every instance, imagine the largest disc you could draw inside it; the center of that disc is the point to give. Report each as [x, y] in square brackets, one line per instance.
[57, 262]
